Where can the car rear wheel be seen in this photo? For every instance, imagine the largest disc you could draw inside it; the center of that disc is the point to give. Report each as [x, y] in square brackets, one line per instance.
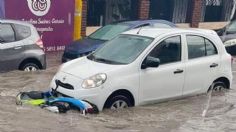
[118, 102]
[30, 67]
[217, 86]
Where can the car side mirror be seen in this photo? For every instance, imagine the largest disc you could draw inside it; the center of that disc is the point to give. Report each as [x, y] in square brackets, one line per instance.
[150, 62]
[220, 32]
[1, 41]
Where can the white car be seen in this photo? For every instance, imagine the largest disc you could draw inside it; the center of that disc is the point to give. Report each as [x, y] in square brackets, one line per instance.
[147, 65]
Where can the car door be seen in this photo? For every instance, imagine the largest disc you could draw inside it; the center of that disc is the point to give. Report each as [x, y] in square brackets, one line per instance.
[11, 51]
[202, 64]
[166, 80]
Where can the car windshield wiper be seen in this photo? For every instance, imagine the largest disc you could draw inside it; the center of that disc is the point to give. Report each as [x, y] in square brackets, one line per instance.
[103, 60]
[94, 58]
[96, 38]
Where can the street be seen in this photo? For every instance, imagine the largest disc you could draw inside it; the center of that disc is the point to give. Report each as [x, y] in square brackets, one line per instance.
[184, 115]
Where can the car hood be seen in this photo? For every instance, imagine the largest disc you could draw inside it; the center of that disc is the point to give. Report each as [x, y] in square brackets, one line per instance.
[85, 68]
[84, 45]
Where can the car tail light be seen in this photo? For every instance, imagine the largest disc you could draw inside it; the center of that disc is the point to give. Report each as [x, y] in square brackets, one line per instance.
[40, 43]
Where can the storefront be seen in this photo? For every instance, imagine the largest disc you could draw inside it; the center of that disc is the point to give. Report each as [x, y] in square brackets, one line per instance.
[101, 12]
[2, 9]
[176, 12]
[216, 10]
[53, 19]
[60, 14]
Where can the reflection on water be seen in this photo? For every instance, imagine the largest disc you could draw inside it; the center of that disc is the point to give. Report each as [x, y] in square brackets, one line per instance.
[183, 115]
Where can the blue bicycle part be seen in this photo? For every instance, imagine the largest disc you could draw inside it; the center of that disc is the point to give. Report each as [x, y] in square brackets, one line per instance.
[75, 102]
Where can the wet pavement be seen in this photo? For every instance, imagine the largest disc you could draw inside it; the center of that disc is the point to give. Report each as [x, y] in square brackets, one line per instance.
[184, 115]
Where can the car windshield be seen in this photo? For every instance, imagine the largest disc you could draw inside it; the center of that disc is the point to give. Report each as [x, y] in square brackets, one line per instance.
[232, 27]
[124, 49]
[109, 31]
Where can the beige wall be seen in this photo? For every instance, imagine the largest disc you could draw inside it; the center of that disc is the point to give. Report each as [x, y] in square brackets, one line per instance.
[205, 25]
[212, 25]
[90, 30]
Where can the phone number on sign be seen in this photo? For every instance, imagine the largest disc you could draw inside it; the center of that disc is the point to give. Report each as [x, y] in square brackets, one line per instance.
[54, 48]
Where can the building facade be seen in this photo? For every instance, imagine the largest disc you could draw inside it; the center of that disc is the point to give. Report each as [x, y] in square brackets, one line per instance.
[2, 9]
[192, 12]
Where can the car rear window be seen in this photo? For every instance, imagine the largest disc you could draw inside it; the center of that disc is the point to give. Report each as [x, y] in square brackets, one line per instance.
[199, 47]
[22, 31]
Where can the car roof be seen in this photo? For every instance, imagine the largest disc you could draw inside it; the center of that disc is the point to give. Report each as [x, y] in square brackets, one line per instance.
[155, 32]
[140, 22]
[15, 22]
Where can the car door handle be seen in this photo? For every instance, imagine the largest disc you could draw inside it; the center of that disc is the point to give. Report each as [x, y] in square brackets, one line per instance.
[178, 71]
[16, 48]
[213, 65]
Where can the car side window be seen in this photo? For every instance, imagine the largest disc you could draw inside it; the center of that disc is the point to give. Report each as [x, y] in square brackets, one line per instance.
[6, 33]
[22, 31]
[199, 47]
[196, 47]
[168, 51]
[210, 48]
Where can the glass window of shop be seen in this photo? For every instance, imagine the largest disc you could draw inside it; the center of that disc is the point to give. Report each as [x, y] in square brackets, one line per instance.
[101, 12]
[216, 10]
[178, 11]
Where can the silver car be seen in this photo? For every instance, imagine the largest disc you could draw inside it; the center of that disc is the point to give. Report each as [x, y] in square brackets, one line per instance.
[21, 47]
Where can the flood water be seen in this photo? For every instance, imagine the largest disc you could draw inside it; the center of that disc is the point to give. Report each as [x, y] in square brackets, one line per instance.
[184, 115]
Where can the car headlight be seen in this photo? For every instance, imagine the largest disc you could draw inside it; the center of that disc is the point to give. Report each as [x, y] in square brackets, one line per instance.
[94, 81]
[230, 42]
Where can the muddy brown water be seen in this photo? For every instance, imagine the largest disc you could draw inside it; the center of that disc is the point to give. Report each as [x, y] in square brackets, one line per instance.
[184, 115]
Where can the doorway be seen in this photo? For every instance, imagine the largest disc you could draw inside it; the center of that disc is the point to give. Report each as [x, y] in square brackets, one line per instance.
[161, 9]
[95, 12]
[102, 12]
[121, 10]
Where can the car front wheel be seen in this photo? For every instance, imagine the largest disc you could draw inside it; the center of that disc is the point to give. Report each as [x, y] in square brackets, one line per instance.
[118, 102]
[30, 67]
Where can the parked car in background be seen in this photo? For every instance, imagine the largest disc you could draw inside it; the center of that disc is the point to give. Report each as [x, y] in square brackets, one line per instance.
[147, 65]
[86, 45]
[20, 47]
[228, 36]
